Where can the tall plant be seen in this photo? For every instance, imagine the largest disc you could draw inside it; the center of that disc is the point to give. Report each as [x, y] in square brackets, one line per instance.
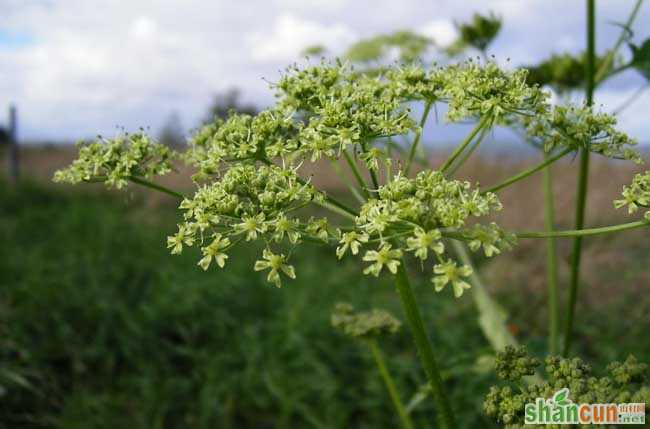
[250, 187]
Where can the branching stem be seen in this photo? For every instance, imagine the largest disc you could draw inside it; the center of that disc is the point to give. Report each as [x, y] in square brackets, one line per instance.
[155, 186]
[583, 232]
[583, 179]
[405, 419]
[418, 137]
[529, 171]
[551, 261]
[355, 171]
[425, 350]
[461, 147]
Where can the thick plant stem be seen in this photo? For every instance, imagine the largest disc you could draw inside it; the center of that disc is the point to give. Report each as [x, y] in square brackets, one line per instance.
[551, 262]
[425, 350]
[583, 175]
[404, 418]
[529, 171]
[418, 137]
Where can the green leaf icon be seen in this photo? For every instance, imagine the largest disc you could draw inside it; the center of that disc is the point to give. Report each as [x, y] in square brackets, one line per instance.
[561, 397]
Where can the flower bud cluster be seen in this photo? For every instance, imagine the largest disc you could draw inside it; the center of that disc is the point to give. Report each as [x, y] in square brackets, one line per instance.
[366, 324]
[114, 161]
[475, 90]
[581, 128]
[505, 404]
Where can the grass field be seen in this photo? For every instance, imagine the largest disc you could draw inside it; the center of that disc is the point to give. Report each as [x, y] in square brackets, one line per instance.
[101, 327]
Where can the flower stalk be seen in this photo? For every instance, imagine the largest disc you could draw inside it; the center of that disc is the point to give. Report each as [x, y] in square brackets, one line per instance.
[583, 179]
[403, 415]
[418, 137]
[551, 261]
[425, 350]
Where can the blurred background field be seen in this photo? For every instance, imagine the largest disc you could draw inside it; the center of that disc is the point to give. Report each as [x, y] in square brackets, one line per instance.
[102, 327]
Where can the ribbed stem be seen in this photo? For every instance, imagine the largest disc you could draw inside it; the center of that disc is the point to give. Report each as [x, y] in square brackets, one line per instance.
[583, 232]
[404, 418]
[551, 262]
[583, 177]
[418, 137]
[425, 350]
[529, 171]
[461, 147]
[468, 153]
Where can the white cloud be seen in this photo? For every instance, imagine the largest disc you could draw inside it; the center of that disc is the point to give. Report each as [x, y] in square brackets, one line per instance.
[90, 65]
[442, 31]
[144, 28]
[289, 35]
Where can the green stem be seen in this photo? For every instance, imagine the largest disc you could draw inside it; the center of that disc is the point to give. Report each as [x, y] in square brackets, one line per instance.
[405, 419]
[356, 173]
[534, 169]
[607, 62]
[583, 178]
[583, 232]
[625, 104]
[492, 317]
[418, 137]
[350, 186]
[425, 350]
[459, 149]
[329, 203]
[551, 261]
[468, 153]
[157, 187]
[373, 175]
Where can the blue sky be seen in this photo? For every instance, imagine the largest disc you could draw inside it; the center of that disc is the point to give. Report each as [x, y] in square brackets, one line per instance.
[76, 68]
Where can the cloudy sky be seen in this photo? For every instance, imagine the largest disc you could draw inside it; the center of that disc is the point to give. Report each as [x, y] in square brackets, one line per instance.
[76, 68]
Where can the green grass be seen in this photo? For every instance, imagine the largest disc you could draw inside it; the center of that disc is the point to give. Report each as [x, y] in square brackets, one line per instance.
[101, 327]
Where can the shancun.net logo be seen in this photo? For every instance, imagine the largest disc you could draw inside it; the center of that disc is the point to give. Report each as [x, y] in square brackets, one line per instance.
[560, 409]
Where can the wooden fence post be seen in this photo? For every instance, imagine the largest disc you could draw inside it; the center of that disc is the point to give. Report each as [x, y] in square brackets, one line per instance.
[14, 160]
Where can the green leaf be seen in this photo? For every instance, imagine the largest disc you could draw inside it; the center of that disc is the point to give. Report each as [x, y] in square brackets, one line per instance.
[641, 58]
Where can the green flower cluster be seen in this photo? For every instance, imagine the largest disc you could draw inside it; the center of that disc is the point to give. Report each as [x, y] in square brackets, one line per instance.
[114, 161]
[366, 324]
[475, 90]
[563, 72]
[249, 202]
[636, 195]
[513, 363]
[410, 215]
[341, 108]
[580, 127]
[243, 137]
[506, 404]
[249, 186]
